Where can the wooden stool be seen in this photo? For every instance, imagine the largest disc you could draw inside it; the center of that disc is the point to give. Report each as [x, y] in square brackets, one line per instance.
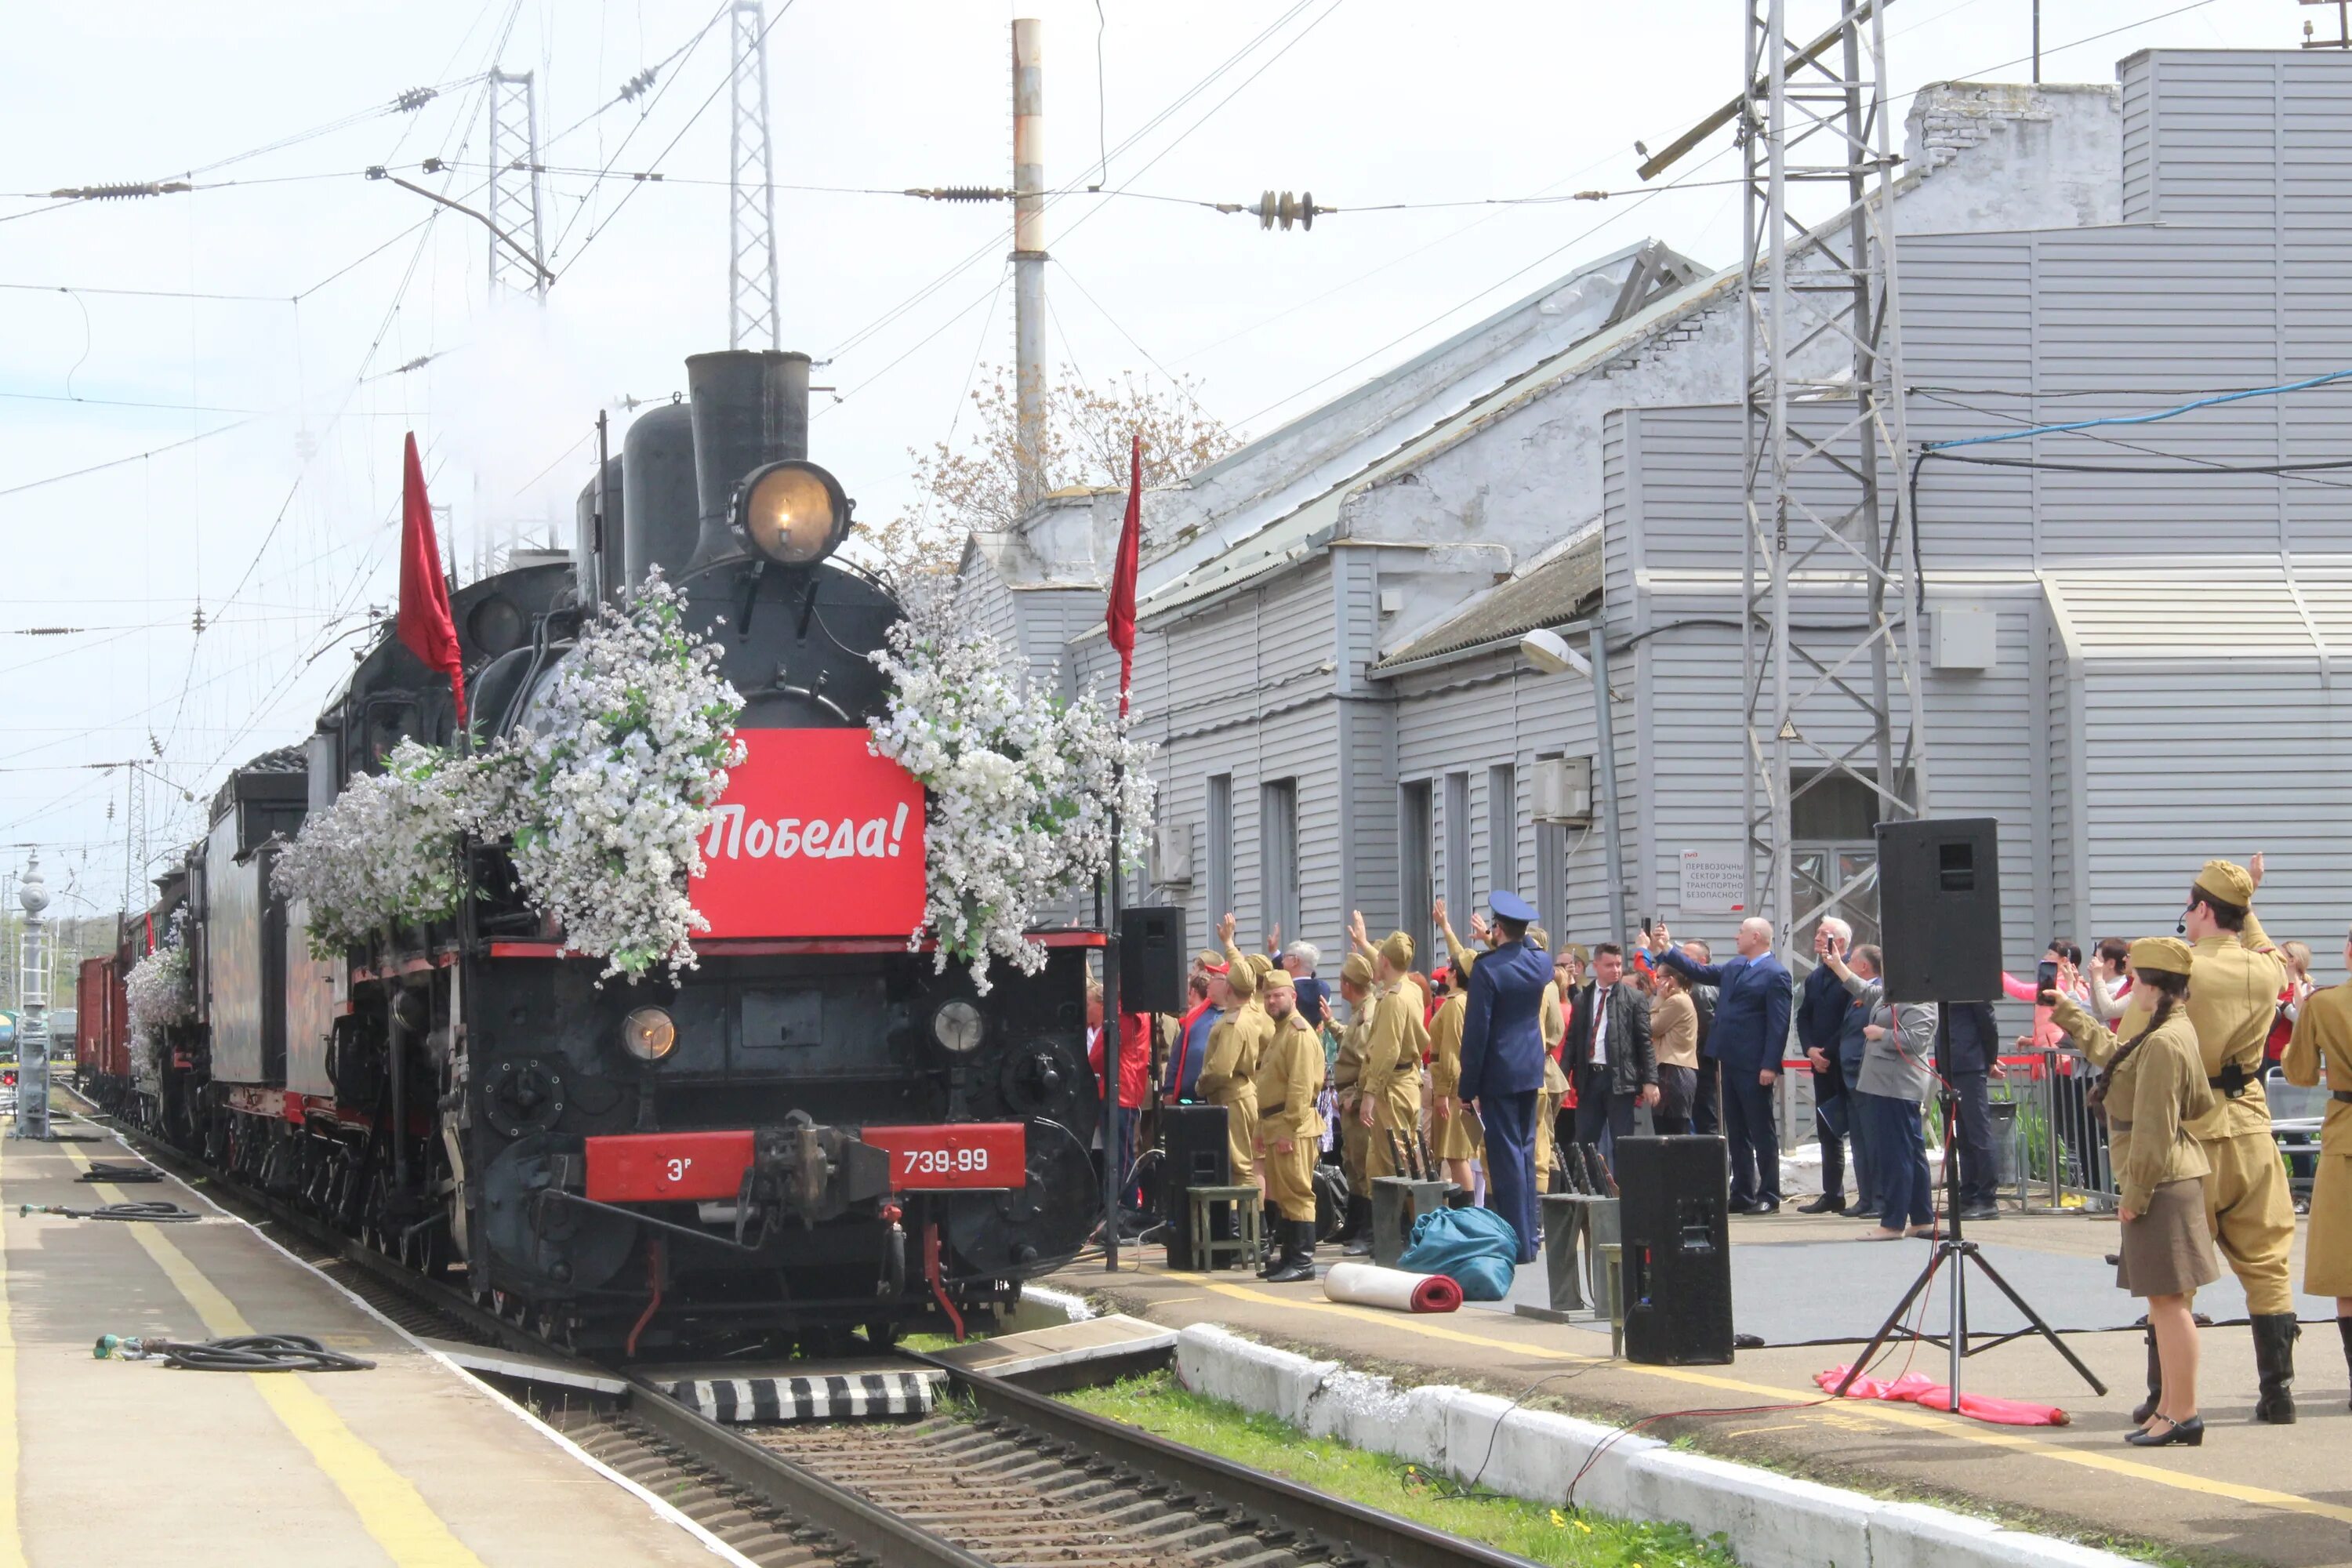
[1209, 1251]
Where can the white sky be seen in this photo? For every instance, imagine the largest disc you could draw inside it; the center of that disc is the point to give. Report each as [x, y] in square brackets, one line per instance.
[1370, 102]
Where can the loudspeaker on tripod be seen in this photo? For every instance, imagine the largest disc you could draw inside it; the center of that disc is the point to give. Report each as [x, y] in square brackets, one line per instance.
[1151, 960]
[1939, 908]
[1198, 1155]
[1673, 1216]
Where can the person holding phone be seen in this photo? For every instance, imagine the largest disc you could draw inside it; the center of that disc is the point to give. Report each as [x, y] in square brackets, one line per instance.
[2152, 1090]
[1898, 1046]
[1821, 1007]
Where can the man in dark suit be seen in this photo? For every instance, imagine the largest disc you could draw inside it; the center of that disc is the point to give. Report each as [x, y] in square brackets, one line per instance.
[1610, 1057]
[1821, 1006]
[1967, 1052]
[1750, 1031]
[1503, 1063]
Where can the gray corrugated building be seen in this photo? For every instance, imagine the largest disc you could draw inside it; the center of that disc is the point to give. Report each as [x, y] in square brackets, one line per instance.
[2132, 670]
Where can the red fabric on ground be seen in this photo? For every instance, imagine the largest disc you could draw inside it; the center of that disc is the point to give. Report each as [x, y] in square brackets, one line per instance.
[1437, 1294]
[1913, 1388]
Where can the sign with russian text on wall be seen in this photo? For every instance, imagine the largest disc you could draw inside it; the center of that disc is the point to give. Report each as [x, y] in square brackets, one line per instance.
[816, 837]
[1714, 882]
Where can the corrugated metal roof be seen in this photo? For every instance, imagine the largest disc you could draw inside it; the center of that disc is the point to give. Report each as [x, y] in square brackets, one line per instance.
[1548, 593]
[2224, 608]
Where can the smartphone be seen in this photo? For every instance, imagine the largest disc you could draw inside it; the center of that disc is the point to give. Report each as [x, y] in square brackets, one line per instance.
[1645, 925]
[2046, 978]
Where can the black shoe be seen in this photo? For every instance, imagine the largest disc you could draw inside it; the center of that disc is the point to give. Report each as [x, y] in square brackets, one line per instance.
[2188, 1434]
[2274, 1336]
[2344, 1328]
[2147, 1407]
[1981, 1211]
[1824, 1205]
[1765, 1206]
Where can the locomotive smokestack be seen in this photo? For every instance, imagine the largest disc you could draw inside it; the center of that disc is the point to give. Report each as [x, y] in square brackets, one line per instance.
[751, 406]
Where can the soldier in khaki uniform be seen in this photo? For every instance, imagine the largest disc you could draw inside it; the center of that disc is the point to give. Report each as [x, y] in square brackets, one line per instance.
[2323, 1037]
[2233, 986]
[1356, 981]
[1454, 1134]
[1227, 1078]
[1389, 1089]
[1289, 1131]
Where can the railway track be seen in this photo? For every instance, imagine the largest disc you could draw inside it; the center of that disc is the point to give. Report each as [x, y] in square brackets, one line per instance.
[1002, 1477]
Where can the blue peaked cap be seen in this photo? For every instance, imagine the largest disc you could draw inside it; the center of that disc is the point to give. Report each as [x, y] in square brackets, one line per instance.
[1509, 906]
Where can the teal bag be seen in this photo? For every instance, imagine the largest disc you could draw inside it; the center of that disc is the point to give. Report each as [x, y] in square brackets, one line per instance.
[1474, 1247]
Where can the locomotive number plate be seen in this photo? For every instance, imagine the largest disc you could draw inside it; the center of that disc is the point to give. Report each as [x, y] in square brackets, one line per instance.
[962, 1155]
[667, 1167]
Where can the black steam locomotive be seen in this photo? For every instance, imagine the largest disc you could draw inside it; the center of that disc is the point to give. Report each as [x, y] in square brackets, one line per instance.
[811, 1131]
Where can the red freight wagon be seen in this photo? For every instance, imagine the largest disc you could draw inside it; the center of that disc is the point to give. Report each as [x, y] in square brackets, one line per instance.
[102, 1031]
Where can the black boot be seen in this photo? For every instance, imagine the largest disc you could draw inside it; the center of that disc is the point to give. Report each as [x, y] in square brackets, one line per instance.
[2274, 1335]
[2155, 1384]
[2344, 1327]
[1298, 1253]
[1360, 1229]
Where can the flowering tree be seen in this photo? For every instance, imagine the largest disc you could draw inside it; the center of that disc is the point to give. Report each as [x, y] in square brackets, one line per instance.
[1022, 784]
[608, 792]
[385, 852]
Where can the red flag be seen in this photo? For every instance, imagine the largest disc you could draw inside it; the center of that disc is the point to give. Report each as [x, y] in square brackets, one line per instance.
[425, 626]
[1119, 619]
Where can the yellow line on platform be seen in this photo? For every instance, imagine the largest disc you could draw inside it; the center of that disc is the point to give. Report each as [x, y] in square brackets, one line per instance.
[1892, 1415]
[12, 1537]
[389, 1507]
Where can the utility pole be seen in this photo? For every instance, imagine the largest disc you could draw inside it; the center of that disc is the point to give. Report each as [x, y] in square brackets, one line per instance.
[514, 187]
[1826, 449]
[134, 839]
[1029, 255]
[752, 314]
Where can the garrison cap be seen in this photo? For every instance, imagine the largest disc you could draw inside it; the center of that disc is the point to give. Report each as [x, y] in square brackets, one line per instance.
[2169, 954]
[1261, 966]
[2228, 881]
[1209, 958]
[1357, 970]
[1397, 948]
[1509, 906]
[1242, 979]
[1277, 980]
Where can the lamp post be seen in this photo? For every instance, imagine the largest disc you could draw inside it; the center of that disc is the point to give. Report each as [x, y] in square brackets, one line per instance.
[33, 1007]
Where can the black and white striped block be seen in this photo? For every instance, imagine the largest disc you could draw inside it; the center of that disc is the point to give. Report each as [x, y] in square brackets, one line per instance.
[811, 1398]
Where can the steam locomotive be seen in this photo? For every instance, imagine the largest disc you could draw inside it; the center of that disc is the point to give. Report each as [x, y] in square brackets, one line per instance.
[812, 1131]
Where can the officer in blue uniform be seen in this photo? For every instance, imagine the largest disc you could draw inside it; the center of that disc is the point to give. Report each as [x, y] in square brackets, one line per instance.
[1503, 1062]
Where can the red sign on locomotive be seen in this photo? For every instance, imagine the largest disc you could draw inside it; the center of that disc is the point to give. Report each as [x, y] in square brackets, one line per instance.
[815, 837]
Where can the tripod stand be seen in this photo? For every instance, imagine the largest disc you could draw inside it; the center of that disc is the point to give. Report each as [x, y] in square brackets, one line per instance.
[1953, 1247]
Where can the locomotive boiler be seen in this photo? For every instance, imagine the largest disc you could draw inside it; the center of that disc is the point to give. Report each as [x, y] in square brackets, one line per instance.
[813, 1129]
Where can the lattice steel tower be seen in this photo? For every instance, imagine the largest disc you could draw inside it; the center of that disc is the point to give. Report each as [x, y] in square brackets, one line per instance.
[134, 839]
[753, 319]
[1829, 651]
[514, 185]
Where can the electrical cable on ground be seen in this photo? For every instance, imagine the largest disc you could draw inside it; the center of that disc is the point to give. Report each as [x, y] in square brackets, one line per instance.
[101, 1171]
[155, 1210]
[238, 1353]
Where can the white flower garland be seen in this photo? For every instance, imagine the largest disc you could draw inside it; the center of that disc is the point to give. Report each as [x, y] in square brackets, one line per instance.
[1021, 785]
[386, 850]
[159, 992]
[608, 795]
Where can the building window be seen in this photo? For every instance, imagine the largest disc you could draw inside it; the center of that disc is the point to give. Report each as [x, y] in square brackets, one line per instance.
[1278, 836]
[1417, 870]
[1834, 851]
[1457, 849]
[1502, 828]
[1218, 877]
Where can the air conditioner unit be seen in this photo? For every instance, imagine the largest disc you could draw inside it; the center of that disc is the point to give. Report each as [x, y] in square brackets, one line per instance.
[1563, 790]
[1172, 857]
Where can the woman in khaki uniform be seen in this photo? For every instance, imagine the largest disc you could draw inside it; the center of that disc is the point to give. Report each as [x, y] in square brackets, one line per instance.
[1289, 1077]
[2152, 1089]
[1389, 1086]
[1551, 1019]
[2323, 1039]
[1455, 1133]
[1226, 1076]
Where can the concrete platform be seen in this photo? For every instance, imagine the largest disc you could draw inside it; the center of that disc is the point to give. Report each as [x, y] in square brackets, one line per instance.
[2266, 1494]
[1117, 1339]
[130, 1464]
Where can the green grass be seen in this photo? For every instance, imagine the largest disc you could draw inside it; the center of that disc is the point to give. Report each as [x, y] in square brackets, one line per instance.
[1572, 1537]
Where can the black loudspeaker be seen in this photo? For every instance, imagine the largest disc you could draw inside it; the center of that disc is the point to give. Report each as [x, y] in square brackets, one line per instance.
[1151, 960]
[1674, 1198]
[1192, 1137]
[1939, 908]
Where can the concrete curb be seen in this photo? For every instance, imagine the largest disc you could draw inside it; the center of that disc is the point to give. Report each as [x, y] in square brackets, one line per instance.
[1771, 1521]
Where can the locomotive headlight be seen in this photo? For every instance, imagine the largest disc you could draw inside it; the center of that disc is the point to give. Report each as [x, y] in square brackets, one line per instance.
[957, 1027]
[794, 512]
[648, 1034]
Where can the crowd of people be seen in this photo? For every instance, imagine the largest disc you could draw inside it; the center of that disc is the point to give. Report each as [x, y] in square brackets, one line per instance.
[1512, 1060]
